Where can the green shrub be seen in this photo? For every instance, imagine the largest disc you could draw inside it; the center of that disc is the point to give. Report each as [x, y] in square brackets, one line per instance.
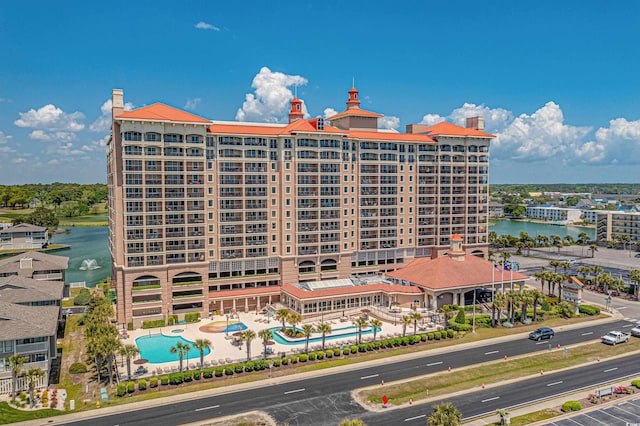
[460, 318]
[164, 380]
[130, 326]
[552, 299]
[122, 389]
[336, 352]
[362, 347]
[187, 376]
[303, 358]
[450, 334]
[219, 371]
[423, 337]
[545, 306]
[83, 298]
[175, 378]
[346, 351]
[196, 375]
[171, 320]
[77, 368]
[329, 353]
[153, 382]
[431, 335]
[191, 317]
[238, 368]
[285, 361]
[131, 387]
[437, 335]
[142, 384]
[153, 323]
[320, 355]
[589, 310]
[571, 406]
[635, 383]
[249, 367]
[294, 359]
[228, 371]
[276, 362]
[312, 356]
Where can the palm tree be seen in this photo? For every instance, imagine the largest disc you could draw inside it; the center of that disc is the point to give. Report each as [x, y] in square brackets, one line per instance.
[265, 335]
[294, 319]
[307, 330]
[281, 315]
[112, 347]
[555, 264]
[187, 348]
[526, 297]
[32, 374]
[556, 279]
[15, 363]
[248, 336]
[376, 324]
[583, 271]
[360, 324]
[201, 345]
[415, 316]
[324, 329]
[497, 304]
[505, 256]
[405, 322]
[445, 414]
[446, 310]
[129, 351]
[540, 277]
[536, 296]
[179, 348]
[634, 277]
[557, 241]
[593, 249]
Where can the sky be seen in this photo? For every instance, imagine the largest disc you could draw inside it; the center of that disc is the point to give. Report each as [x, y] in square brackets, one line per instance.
[558, 82]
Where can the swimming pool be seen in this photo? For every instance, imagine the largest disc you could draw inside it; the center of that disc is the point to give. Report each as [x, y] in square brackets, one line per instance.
[232, 328]
[337, 333]
[157, 348]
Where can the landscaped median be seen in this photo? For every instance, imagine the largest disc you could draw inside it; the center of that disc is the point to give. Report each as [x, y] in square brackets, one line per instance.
[474, 377]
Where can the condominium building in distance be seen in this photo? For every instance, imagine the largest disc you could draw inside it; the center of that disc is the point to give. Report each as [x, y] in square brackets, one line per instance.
[209, 216]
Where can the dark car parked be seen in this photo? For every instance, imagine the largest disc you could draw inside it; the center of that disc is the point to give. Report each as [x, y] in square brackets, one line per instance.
[542, 333]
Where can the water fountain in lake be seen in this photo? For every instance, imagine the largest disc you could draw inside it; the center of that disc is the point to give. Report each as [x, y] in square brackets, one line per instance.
[89, 265]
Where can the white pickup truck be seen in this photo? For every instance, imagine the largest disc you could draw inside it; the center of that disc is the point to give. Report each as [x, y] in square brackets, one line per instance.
[615, 337]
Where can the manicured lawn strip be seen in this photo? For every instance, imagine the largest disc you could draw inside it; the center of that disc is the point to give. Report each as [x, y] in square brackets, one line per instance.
[11, 415]
[444, 383]
[536, 416]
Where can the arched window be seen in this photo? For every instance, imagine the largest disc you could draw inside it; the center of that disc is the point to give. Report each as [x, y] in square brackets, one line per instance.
[149, 281]
[307, 267]
[328, 265]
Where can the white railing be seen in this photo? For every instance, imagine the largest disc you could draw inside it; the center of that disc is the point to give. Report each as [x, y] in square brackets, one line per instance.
[21, 383]
[32, 347]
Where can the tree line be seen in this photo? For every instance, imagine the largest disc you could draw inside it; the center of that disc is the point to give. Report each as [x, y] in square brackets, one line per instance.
[52, 194]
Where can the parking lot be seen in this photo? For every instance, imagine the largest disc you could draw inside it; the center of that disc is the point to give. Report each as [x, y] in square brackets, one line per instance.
[624, 414]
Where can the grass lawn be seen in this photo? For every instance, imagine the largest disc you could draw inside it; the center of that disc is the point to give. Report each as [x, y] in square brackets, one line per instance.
[536, 416]
[11, 415]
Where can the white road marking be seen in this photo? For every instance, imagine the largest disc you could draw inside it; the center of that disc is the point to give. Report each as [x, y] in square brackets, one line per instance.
[490, 399]
[555, 383]
[431, 364]
[628, 325]
[622, 307]
[294, 391]
[610, 369]
[491, 352]
[206, 408]
[586, 334]
[542, 342]
[415, 418]
[369, 377]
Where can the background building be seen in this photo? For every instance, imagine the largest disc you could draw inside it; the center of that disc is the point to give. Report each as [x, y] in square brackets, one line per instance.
[617, 222]
[203, 214]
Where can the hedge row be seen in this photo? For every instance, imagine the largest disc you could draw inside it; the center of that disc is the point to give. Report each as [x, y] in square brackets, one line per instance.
[152, 323]
[260, 365]
[190, 317]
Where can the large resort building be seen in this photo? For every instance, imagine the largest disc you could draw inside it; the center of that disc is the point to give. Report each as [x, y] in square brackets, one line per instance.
[210, 216]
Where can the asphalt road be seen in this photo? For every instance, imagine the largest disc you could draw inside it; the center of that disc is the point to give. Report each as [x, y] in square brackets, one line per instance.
[327, 400]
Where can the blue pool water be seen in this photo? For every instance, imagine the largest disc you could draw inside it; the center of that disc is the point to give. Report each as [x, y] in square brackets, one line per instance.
[157, 348]
[337, 333]
[232, 328]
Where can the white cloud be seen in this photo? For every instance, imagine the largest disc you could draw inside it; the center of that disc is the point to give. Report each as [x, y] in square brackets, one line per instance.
[617, 144]
[431, 119]
[41, 135]
[329, 112]
[389, 122]
[4, 138]
[103, 123]
[206, 26]
[540, 136]
[270, 102]
[495, 119]
[96, 146]
[192, 103]
[51, 118]
[19, 160]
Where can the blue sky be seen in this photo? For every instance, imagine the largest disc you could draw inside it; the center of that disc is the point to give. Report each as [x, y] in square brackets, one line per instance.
[557, 81]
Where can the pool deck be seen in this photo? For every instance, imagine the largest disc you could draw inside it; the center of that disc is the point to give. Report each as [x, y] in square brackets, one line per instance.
[223, 352]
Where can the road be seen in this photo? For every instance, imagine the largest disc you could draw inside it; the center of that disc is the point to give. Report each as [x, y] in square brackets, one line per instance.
[326, 400]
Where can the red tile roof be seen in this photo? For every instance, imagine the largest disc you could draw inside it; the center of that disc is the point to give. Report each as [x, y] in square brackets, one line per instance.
[356, 112]
[162, 112]
[449, 129]
[283, 129]
[345, 291]
[456, 237]
[241, 292]
[447, 273]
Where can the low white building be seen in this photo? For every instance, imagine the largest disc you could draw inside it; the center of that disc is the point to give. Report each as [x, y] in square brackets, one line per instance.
[555, 214]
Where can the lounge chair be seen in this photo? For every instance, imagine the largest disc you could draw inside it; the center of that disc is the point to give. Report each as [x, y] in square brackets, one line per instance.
[214, 362]
[221, 361]
[228, 360]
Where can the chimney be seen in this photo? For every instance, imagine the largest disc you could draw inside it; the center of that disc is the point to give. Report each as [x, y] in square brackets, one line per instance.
[415, 128]
[117, 102]
[475, 122]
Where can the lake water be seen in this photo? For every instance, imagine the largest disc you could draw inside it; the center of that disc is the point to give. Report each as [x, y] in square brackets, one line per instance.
[89, 257]
[514, 227]
[90, 260]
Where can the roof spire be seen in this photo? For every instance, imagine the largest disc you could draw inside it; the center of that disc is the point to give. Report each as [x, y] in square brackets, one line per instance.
[353, 102]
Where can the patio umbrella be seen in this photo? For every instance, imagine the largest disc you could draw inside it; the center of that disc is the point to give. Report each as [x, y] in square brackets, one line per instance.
[270, 342]
[237, 333]
[141, 361]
